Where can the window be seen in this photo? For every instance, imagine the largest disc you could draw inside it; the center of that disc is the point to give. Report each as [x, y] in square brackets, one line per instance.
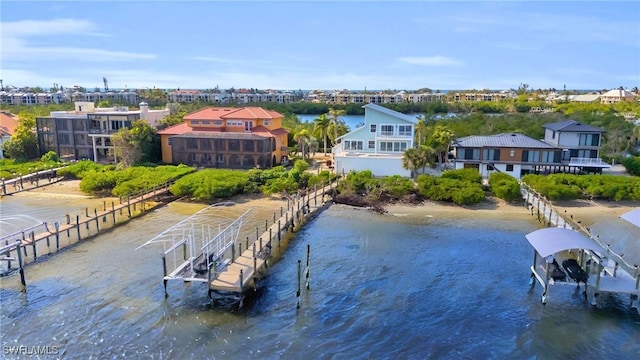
[386, 130]
[248, 125]
[195, 122]
[470, 154]
[372, 144]
[553, 134]
[404, 130]
[386, 146]
[491, 154]
[353, 145]
[512, 153]
[217, 122]
[266, 122]
[220, 158]
[509, 167]
[530, 156]
[589, 139]
[206, 122]
[373, 128]
[550, 156]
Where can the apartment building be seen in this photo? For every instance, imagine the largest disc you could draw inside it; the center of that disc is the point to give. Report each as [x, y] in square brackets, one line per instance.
[221, 137]
[86, 132]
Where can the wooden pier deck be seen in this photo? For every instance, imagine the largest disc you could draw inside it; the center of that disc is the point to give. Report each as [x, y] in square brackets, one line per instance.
[244, 271]
[37, 240]
[613, 274]
[30, 181]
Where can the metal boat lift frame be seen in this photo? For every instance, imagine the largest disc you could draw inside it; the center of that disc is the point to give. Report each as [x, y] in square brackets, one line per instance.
[196, 248]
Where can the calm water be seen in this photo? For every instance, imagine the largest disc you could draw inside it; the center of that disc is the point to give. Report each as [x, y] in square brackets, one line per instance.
[355, 121]
[380, 289]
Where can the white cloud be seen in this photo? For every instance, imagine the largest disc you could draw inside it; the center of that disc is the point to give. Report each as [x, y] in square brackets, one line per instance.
[17, 45]
[436, 60]
[28, 28]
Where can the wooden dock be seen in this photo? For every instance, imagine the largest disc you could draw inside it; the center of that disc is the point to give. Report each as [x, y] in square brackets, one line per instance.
[26, 246]
[613, 274]
[245, 270]
[30, 181]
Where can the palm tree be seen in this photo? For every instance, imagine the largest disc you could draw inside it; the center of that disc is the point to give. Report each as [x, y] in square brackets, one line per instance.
[321, 125]
[417, 158]
[302, 138]
[441, 141]
[334, 116]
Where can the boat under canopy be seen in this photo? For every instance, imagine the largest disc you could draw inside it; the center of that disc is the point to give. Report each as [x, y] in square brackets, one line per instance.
[549, 241]
[592, 258]
[632, 216]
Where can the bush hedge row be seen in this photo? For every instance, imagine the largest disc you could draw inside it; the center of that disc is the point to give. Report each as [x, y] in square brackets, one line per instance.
[570, 186]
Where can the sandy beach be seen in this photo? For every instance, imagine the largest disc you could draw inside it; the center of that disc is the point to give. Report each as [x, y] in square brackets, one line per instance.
[66, 189]
[588, 212]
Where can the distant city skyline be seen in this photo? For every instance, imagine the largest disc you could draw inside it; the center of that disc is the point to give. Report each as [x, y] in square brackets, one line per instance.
[376, 45]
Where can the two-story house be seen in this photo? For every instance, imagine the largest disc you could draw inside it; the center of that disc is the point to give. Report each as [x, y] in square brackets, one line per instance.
[580, 143]
[234, 138]
[568, 146]
[514, 154]
[378, 145]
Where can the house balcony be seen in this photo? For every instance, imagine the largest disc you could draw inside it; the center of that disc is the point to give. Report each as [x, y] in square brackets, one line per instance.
[101, 131]
[588, 162]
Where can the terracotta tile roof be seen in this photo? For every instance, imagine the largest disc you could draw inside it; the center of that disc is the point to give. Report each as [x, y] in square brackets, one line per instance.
[279, 131]
[253, 112]
[210, 113]
[263, 131]
[176, 129]
[8, 123]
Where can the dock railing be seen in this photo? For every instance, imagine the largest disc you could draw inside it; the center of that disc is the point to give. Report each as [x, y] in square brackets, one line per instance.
[549, 215]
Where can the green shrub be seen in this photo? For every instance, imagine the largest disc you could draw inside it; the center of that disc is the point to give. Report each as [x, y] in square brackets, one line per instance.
[397, 185]
[632, 164]
[301, 165]
[323, 177]
[50, 156]
[505, 186]
[466, 175]
[78, 169]
[570, 186]
[210, 184]
[459, 187]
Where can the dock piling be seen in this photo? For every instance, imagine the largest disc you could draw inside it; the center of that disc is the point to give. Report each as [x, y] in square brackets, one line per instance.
[57, 226]
[308, 270]
[21, 267]
[298, 292]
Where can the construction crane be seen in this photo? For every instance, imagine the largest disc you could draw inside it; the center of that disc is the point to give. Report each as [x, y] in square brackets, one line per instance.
[106, 84]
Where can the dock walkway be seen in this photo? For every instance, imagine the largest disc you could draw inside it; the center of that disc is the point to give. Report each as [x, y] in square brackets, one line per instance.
[29, 244]
[243, 272]
[613, 273]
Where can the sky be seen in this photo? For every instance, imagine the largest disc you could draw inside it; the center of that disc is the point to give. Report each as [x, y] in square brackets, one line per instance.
[357, 45]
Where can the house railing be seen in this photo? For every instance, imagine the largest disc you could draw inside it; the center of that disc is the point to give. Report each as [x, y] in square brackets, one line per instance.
[587, 161]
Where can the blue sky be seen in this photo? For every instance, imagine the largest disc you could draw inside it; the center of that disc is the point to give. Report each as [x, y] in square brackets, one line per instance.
[321, 45]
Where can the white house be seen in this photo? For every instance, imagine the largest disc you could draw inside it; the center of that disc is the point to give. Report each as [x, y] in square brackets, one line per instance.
[615, 96]
[378, 145]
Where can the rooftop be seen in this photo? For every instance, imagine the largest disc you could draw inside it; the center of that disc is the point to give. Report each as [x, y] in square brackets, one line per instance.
[501, 140]
[572, 126]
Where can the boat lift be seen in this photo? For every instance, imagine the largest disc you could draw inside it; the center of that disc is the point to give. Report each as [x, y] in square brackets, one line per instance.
[593, 259]
[201, 246]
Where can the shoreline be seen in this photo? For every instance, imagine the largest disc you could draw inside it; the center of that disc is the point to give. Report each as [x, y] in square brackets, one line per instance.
[587, 211]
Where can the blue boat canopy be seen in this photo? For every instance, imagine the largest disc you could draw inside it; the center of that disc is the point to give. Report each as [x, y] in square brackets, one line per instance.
[549, 241]
[632, 216]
